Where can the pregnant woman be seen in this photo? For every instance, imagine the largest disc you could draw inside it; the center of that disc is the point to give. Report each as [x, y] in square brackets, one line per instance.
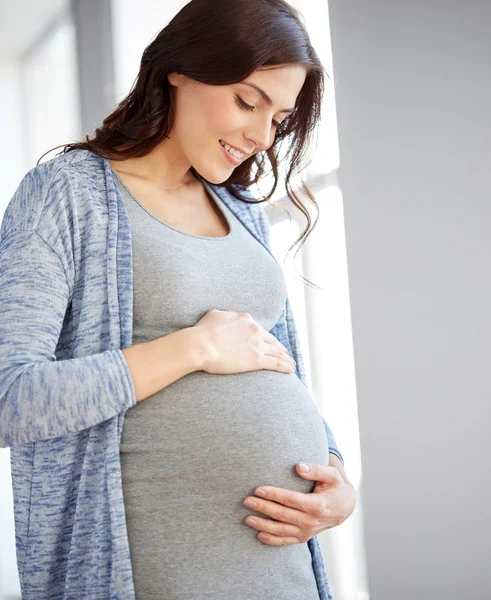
[160, 391]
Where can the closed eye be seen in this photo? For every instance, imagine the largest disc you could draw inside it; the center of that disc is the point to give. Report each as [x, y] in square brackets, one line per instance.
[245, 106]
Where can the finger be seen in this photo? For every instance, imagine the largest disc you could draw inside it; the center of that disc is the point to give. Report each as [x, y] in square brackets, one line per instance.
[292, 498]
[283, 513]
[271, 339]
[274, 540]
[277, 528]
[320, 472]
[280, 352]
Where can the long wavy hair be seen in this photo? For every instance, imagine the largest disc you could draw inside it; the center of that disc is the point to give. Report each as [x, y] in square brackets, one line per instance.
[221, 42]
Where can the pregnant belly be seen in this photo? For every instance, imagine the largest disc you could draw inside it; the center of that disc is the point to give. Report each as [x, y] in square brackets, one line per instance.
[216, 431]
[190, 455]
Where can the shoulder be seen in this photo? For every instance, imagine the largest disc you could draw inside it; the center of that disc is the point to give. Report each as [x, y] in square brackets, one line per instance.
[48, 189]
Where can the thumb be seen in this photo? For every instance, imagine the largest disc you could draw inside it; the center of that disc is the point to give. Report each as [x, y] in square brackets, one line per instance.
[317, 472]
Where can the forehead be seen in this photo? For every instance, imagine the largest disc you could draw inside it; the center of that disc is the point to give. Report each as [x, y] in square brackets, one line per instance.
[282, 84]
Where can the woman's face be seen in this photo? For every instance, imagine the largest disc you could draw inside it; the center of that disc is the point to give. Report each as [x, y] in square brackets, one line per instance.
[207, 114]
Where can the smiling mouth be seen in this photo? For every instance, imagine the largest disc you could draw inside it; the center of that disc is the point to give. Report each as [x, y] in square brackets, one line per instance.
[230, 157]
[244, 154]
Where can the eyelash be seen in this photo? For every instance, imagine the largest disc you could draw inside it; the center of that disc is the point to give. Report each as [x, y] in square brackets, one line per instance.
[245, 106]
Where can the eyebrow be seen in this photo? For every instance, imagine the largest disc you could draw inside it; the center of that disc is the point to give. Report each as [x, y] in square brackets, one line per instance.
[265, 96]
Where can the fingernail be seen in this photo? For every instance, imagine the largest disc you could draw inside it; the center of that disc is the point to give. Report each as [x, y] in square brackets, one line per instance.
[304, 467]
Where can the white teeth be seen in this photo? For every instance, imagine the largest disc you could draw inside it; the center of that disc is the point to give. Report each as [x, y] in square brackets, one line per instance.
[232, 151]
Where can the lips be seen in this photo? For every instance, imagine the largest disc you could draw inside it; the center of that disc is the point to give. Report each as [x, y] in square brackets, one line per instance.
[230, 157]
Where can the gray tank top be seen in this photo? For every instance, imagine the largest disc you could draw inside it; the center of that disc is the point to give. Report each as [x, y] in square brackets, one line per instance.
[191, 453]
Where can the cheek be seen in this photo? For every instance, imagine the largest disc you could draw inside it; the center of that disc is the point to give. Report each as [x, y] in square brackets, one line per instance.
[221, 115]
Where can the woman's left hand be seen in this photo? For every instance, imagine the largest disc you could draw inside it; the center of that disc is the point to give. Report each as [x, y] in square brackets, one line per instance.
[297, 517]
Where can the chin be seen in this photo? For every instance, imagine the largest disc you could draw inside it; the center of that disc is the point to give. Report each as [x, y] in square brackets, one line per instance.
[212, 178]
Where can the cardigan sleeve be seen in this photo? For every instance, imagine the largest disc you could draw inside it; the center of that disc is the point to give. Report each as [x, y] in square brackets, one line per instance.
[42, 397]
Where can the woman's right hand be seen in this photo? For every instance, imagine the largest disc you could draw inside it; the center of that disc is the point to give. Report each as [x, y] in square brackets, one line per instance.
[236, 343]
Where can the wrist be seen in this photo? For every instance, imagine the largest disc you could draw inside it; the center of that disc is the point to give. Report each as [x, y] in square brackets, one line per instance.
[197, 347]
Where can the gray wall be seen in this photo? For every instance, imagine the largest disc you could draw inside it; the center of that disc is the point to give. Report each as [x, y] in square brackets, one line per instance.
[413, 94]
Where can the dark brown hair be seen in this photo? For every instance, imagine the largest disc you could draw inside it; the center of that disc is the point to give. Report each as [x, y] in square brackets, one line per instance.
[220, 42]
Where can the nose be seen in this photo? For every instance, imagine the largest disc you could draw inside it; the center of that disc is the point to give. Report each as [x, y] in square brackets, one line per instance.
[261, 134]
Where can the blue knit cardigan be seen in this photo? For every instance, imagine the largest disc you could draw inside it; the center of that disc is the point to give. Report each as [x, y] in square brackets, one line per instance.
[66, 313]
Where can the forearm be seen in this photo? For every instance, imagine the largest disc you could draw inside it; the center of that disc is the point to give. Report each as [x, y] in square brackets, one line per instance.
[155, 365]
